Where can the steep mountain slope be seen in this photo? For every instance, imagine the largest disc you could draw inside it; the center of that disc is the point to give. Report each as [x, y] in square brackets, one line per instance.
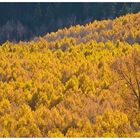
[77, 82]
[125, 28]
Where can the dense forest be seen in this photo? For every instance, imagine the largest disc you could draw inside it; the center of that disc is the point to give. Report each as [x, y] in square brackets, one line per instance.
[24, 21]
[82, 81]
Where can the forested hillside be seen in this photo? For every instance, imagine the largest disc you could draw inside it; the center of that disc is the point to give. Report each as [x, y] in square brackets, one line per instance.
[24, 21]
[83, 81]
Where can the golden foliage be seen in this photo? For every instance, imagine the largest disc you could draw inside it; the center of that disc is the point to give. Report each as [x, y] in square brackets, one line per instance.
[65, 84]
